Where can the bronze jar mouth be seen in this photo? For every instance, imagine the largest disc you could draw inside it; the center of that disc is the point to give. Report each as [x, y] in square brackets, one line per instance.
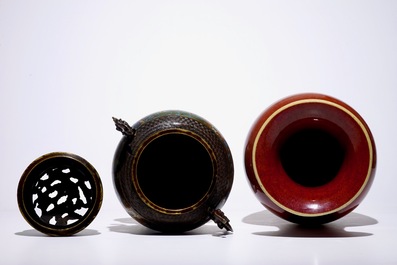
[173, 171]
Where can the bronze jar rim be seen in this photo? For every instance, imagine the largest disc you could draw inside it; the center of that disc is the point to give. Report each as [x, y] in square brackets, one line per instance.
[173, 171]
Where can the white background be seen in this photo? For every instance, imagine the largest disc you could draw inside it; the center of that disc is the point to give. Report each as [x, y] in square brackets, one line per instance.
[67, 67]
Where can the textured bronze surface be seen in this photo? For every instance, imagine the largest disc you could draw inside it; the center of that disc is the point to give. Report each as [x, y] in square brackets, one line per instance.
[171, 170]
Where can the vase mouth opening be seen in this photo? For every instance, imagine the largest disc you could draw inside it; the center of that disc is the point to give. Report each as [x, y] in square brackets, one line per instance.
[312, 157]
[175, 171]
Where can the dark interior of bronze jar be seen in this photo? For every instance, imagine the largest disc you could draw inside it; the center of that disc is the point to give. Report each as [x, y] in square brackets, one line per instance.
[312, 157]
[175, 171]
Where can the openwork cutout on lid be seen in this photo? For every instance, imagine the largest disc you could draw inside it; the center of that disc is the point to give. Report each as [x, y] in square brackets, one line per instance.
[60, 194]
[63, 196]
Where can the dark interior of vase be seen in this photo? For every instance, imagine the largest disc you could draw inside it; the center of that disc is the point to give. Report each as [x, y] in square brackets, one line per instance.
[175, 171]
[311, 157]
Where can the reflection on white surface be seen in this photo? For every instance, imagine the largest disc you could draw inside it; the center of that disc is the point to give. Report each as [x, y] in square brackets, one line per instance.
[329, 230]
[67, 67]
[259, 238]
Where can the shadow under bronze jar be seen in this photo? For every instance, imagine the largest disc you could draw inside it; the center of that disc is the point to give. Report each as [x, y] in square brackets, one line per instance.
[173, 171]
[310, 158]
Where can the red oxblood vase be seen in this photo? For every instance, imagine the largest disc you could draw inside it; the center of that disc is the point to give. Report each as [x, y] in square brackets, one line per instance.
[310, 159]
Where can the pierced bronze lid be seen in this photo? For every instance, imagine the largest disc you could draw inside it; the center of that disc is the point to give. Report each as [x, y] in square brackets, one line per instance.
[60, 194]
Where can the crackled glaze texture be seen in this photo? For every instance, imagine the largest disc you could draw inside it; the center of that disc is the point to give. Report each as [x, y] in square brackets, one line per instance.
[310, 158]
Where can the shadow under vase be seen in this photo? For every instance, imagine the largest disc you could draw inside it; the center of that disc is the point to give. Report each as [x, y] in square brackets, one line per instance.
[337, 228]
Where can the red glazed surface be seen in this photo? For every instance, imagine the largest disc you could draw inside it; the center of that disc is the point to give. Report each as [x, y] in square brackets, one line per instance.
[286, 197]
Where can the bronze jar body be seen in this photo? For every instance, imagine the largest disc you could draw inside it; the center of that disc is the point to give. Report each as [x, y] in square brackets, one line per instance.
[173, 171]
